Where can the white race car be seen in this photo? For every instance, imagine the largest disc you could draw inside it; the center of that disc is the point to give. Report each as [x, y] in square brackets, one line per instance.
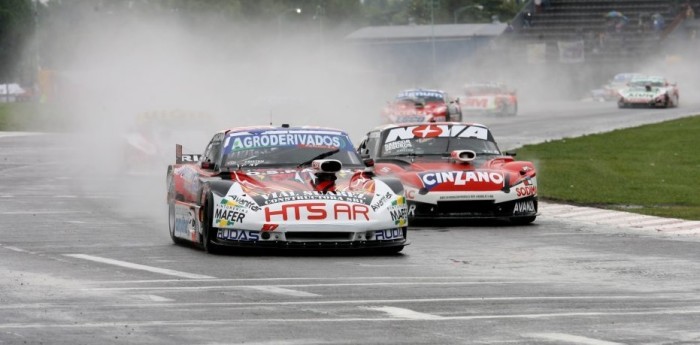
[649, 91]
[282, 187]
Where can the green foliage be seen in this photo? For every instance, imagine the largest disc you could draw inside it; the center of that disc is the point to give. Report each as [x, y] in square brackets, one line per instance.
[16, 27]
[650, 169]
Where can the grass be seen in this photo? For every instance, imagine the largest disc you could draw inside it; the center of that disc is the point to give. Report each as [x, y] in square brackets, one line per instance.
[30, 116]
[652, 169]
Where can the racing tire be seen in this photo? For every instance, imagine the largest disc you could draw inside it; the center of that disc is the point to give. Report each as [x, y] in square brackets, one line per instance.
[522, 220]
[621, 105]
[171, 224]
[208, 231]
[667, 102]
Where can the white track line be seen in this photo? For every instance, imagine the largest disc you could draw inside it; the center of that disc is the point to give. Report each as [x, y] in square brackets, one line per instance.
[139, 267]
[283, 291]
[229, 287]
[569, 338]
[231, 321]
[403, 313]
[683, 297]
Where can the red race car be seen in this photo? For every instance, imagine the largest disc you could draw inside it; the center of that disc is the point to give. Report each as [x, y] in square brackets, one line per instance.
[490, 98]
[422, 105]
[453, 170]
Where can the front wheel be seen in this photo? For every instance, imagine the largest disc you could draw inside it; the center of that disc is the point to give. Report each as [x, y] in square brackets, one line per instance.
[667, 102]
[514, 109]
[389, 250]
[208, 231]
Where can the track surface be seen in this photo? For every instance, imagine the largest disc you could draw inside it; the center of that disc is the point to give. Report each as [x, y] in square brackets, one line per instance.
[85, 258]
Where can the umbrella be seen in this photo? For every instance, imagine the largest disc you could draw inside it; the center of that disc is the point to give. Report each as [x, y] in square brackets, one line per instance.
[614, 14]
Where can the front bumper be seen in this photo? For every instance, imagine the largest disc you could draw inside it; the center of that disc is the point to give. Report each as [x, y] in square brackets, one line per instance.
[473, 209]
[313, 239]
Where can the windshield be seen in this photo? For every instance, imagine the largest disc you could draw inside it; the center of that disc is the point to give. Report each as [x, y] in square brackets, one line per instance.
[438, 147]
[421, 96]
[286, 148]
[645, 82]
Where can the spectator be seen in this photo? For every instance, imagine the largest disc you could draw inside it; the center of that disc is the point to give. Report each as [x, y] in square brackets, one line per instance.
[527, 19]
[510, 28]
[689, 12]
[658, 22]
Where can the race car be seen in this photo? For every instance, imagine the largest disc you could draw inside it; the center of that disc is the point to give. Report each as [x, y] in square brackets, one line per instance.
[489, 98]
[149, 141]
[610, 91]
[422, 105]
[283, 187]
[453, 170]
[649, 91]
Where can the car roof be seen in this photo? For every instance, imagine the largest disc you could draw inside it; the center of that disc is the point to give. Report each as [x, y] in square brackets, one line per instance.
[422, 90]
[486, 84]
[280, 128]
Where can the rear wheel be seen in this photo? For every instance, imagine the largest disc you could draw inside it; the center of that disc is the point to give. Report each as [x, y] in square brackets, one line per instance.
[208, 231]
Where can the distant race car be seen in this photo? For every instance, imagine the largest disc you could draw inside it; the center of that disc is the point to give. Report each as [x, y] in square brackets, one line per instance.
[489, 98]
[610, 91]
[422, 105]
[283, 187]
[453, 170]
[649, 91]
[150, 140]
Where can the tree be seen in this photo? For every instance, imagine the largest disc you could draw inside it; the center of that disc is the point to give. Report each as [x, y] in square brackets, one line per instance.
[16, 28]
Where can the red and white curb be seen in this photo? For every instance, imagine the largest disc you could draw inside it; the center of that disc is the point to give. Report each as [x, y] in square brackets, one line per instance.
[619, 219]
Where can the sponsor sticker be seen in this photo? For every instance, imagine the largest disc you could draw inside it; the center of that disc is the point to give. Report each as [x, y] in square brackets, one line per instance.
[245, 141]
[278, 197]
[524, 207]
[381, 201]
[317, 211]
[184, 222]
[460, 178]
[437, 131]
[238, 235]
[388, 234]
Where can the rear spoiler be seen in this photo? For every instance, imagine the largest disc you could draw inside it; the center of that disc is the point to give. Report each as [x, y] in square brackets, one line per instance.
[181, 158]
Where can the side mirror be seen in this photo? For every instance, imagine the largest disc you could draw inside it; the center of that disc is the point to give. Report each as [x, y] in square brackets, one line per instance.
[207, 165]
[512, 154]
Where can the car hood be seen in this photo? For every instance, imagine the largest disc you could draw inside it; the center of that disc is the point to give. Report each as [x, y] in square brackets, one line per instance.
[268, 186]
[479, 175]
